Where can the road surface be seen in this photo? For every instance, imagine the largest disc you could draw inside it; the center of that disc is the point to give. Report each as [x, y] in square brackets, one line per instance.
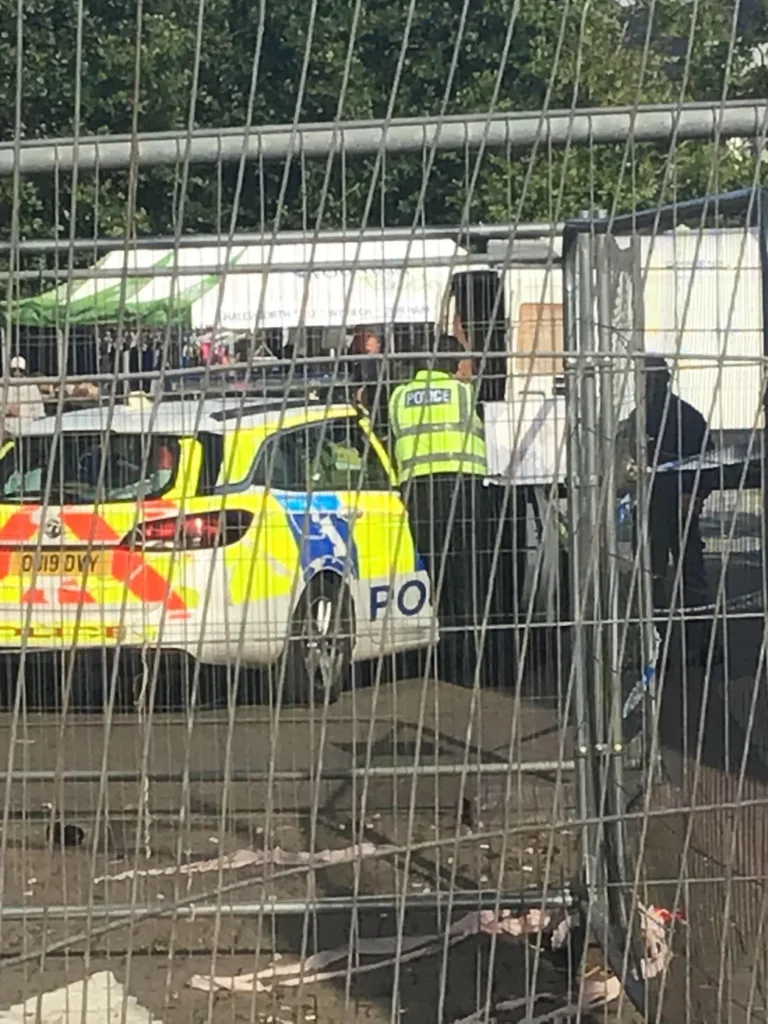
[425, 834]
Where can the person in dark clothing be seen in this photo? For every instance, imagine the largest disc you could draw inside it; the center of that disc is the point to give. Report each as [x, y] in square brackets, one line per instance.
[440, 455]
[369, 374]
[675, 431]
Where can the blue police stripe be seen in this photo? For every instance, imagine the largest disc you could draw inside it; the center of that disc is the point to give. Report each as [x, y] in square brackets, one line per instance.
[318, 553]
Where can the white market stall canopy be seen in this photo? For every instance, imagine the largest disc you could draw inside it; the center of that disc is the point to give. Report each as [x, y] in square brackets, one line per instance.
[318, 296]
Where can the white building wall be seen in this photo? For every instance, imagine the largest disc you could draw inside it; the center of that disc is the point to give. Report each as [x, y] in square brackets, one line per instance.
[703, 304]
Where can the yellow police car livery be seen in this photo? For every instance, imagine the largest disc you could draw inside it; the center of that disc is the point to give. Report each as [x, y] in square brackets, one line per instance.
[221, 529]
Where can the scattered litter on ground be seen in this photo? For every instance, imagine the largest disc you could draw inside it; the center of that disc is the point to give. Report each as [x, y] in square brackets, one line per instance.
[252, 858]
[389, 951]
[343, 961]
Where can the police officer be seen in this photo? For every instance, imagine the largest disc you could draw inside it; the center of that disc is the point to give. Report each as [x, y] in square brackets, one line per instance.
[676, 431]
[439, 450]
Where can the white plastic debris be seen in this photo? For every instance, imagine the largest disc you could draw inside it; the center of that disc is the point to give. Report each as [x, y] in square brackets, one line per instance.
[100, 999]
[561, 932]
[657, 951]
[254, 858]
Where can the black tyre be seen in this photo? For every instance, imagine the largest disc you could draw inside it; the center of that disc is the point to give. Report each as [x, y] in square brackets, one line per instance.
[319, 652]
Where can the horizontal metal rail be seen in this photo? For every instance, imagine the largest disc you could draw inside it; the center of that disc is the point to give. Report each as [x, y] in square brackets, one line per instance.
[291, 775]
[85, 817]
[458, 133]
[461, 900]
[307, 267]
[457, 232]
[257, 370]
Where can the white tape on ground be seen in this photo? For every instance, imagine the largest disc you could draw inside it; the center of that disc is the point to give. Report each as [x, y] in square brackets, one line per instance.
[100, 999]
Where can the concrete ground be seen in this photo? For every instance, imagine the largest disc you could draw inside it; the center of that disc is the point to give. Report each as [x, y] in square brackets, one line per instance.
[299, 783]
[448, 834]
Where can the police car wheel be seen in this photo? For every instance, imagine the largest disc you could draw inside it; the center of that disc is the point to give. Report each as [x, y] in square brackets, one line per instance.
[320, 649]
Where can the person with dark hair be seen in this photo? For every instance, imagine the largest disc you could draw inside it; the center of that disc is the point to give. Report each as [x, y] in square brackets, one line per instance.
[365, 343]
[675, 431]
[440, 455]
[368, 373]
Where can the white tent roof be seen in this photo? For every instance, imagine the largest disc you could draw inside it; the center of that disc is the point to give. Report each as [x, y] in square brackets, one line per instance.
[313, 293]
[329, 298]
[186, 288]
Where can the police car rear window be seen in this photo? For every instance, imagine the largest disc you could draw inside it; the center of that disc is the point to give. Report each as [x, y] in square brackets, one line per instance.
[88, 468]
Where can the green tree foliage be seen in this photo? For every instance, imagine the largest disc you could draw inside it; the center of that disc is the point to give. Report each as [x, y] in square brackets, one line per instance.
[400, 58]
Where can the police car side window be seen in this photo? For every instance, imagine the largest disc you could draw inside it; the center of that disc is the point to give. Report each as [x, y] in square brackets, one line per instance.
[330, 455]
[343, 459]
[282, 462]
[302, 459]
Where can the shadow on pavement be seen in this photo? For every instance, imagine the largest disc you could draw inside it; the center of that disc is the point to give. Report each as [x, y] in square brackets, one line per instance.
[709, 853]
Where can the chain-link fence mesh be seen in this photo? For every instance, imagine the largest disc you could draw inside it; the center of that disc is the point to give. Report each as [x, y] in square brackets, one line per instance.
[382, 587]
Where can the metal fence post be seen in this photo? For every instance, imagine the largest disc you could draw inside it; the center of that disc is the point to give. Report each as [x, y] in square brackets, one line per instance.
[582, 507]
[607, 554]
[594, 583]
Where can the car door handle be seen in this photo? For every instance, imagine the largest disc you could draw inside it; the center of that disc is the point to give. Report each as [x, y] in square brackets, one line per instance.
[351, 514]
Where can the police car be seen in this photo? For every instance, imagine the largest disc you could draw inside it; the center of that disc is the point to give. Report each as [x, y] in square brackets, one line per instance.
[223, 529]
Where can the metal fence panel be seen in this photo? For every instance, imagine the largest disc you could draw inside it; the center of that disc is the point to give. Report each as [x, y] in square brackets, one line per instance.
[204, 525]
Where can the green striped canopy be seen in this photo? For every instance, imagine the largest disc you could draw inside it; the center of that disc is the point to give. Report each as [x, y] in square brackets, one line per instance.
[157, 294]
[157, 299]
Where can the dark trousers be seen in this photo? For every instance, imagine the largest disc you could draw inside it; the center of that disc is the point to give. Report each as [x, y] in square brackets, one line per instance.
[670, 546]
[456, 523]
[445, 512]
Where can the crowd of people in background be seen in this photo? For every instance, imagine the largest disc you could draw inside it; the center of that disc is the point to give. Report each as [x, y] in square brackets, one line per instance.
[142, 351]
[133, 352]
[137, 357]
